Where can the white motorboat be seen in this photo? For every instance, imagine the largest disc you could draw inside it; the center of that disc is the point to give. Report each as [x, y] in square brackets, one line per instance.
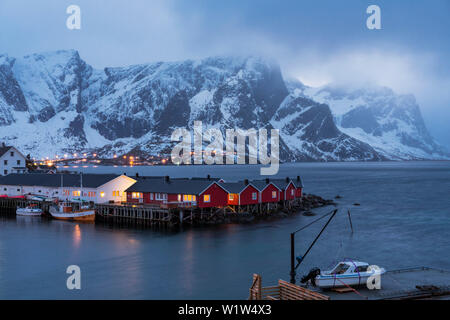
[31, 210]
[345, 273]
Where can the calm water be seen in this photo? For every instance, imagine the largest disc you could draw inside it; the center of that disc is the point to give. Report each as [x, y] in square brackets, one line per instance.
[403, 220]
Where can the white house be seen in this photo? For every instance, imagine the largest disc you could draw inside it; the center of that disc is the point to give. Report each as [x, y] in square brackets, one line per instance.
[98, 188]
[11, 160]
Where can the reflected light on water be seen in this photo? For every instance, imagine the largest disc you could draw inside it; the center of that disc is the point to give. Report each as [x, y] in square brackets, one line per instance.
[77, 235]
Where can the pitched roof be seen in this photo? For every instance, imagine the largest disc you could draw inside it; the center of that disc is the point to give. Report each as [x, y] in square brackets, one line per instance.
[4, 149]
[54, 180]
[262, 184]
[182, 186]
[236, 187]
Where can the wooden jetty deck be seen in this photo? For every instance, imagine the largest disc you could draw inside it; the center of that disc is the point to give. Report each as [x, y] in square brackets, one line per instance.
[419, 283]
[401, 284]
[152, 214]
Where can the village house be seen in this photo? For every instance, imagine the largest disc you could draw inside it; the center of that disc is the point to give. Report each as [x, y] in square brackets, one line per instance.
[211, 192]
[11, 160]
[242, 193]
[198, 192]
[98, 188]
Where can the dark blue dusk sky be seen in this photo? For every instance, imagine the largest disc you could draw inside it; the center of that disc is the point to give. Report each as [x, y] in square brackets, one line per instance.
[317, 41]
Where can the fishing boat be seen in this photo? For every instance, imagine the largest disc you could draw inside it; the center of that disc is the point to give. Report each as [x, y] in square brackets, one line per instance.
[346, 273]
[72, 211]
[76, 210]
[31, 210]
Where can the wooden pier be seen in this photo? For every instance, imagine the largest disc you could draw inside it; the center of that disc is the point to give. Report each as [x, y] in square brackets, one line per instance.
[148, 214]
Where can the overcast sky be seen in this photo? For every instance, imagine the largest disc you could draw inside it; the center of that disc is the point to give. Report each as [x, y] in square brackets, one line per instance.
[316, 41]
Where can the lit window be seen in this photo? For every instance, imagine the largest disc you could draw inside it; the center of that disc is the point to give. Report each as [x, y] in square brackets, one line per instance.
[102, 194]
[231, 197]
[254, 196]
[179, 197]
[274, 194]
[194, 198]
[189, 198]
[206, 198]
[76, 193]
[185, 197]
[151, 196]
[136, 195]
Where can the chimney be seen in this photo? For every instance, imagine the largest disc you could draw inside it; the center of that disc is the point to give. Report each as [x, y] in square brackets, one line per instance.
[124, 173]
[287, 179]
[246, 182]
[167, 179]
[267, 180]
[298, 178]
[137, 174]
[208, 177]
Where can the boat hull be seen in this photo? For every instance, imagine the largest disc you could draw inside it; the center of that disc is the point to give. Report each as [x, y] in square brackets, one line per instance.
[88, 215]
[28, 213]
[355, 279]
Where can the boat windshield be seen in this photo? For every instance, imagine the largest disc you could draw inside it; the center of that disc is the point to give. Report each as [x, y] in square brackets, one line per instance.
[340, 268]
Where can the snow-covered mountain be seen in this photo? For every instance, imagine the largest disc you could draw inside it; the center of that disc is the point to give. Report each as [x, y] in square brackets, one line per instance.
[389, 122]
[54, 103]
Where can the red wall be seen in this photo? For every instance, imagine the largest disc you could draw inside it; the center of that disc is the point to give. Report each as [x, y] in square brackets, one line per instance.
[266, 195]
[289, 189]
[298, 192]
[246, 196]
[219, 197]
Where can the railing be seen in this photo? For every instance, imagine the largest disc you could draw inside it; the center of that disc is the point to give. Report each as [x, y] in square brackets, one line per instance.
[284, 291]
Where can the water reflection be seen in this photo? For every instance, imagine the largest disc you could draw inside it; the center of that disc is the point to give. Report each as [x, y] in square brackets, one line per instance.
[76, 235]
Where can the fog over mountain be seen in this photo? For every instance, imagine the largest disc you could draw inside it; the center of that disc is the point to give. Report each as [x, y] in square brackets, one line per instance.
[54, 102]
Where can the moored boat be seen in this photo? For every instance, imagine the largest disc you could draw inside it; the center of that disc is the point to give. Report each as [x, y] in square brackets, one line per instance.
[31, 210]
[69, 211]
[346, 273]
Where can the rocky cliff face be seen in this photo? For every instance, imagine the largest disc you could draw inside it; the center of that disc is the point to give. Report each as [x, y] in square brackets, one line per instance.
[389, 122]
[53, 103]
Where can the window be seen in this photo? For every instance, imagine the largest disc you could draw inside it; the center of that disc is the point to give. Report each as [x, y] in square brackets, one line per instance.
[5, 171]
[136, 195]
[18, 162]
[274, 194]
[5, 162]
[160, 196]
[151, 196]
[340, 268]
[102, 194]
[4, 189]
[361, 269]
[254, 196]
[76, 193]
[179, 197]
[18, 189]
[116, 193]
[231, 197]
[194, 198]
[12, 153]
[292, 192]
[206, 198]
[66, 192]
[91, 194]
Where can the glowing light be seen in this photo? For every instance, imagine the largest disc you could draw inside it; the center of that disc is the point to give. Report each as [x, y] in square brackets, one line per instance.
[102, 194]
[74, 154]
